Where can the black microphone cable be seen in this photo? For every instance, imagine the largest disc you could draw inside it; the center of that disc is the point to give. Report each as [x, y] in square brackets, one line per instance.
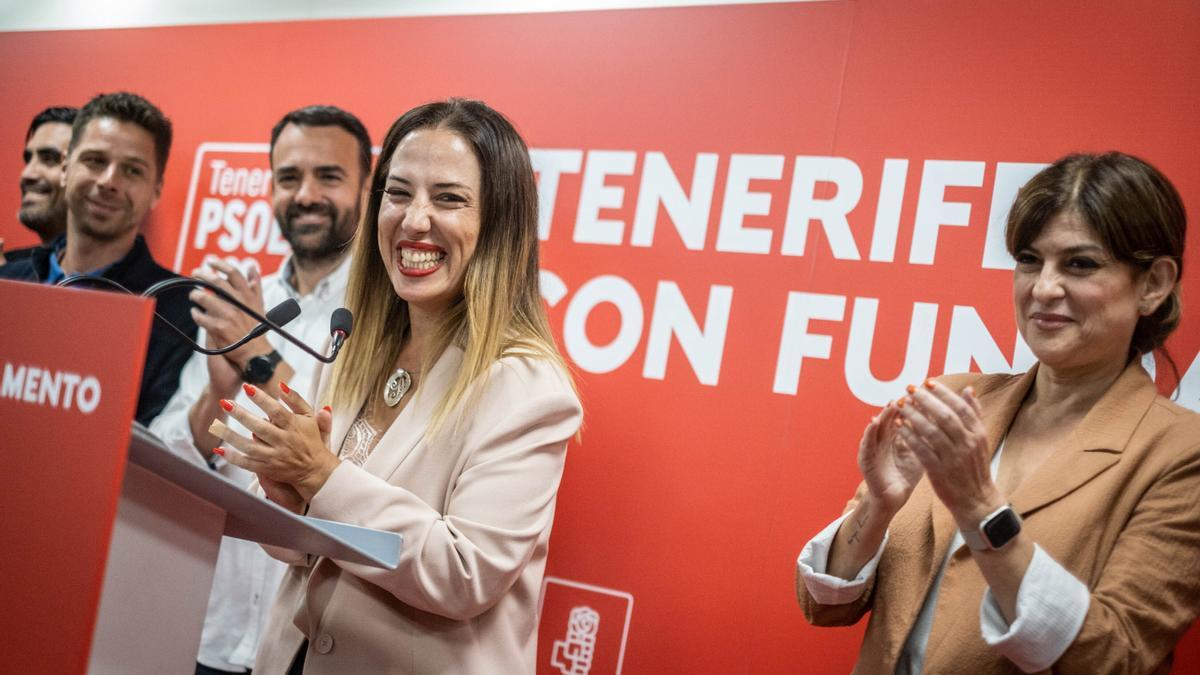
[276, 317]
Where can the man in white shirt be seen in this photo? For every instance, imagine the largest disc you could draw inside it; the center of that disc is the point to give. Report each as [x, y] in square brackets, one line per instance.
[320, 162]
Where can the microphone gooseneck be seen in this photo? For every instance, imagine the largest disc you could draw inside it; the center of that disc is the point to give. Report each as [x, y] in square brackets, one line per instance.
[275, 319]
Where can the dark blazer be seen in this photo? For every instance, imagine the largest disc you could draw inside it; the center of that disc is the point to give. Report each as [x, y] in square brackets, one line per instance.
[18, 254]
[137, 271]
[1118, 507]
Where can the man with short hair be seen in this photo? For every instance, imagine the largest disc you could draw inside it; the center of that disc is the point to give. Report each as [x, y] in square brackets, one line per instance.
[112, 179]
[320, 161]
[43, 208]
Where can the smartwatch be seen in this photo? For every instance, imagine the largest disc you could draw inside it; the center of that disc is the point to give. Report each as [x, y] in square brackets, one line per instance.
[997, 529]
[260, 369]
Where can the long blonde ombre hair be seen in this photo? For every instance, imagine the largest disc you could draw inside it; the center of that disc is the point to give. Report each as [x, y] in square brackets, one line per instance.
[500, 311]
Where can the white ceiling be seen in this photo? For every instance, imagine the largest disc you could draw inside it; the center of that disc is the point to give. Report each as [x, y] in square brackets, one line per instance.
[26, 15]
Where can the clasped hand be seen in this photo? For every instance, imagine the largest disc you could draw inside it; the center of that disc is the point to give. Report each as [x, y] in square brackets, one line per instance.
[939, 433]
[288, 450]
[224, 324]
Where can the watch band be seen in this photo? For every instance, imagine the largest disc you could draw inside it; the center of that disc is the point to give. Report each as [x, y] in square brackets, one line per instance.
[997, 529]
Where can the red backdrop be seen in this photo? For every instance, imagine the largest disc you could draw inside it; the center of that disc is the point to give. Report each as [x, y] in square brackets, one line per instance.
[730, 184]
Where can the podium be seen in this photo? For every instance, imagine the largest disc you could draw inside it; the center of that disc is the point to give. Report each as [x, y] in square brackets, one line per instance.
[110, 537]
[172, 512]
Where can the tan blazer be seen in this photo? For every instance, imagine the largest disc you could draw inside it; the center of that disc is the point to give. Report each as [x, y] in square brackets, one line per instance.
[474, 504]
[1119, 507]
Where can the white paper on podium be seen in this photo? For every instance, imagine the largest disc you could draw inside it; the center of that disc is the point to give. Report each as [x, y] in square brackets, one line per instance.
[256, 519]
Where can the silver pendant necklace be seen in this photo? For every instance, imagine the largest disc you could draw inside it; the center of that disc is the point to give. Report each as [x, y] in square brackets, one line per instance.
[397, 386]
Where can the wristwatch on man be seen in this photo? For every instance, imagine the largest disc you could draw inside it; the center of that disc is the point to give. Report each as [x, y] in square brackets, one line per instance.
[997, 529]
[260, 369]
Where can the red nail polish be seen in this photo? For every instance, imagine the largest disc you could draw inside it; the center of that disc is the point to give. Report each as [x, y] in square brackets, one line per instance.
[911, 389]
[219, 451]
[900, 403]
[284, 388]
[929, 383]
[227, 405]
[249, 389]
[328, 409]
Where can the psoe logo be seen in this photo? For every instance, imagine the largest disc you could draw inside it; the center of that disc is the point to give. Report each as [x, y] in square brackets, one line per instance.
[53, 388]
[228, 214]
[583, 628]
[573, 655]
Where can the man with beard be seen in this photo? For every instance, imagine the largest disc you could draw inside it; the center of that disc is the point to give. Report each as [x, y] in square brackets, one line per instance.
[320, 162]
[43, 208]
[112, 179]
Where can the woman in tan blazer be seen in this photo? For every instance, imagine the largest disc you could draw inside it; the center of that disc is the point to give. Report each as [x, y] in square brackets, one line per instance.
[1048, 521]
[448, 418]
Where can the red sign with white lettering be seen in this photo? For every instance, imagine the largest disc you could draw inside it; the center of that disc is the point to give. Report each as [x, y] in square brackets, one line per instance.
[72, 362]
[228, 213]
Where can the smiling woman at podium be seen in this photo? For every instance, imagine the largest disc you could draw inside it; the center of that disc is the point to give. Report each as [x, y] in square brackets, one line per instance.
[447, 421]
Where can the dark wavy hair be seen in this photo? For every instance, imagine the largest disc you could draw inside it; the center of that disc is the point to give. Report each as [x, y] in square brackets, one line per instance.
[1135, 212]
[126, 107]
[329, 116]
[59, 113]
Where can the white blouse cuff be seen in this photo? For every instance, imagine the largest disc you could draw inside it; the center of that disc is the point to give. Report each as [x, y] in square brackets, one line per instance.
[1051, 607]
[827, 589]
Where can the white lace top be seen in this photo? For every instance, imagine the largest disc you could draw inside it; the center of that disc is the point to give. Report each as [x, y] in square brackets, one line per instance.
[360, 440]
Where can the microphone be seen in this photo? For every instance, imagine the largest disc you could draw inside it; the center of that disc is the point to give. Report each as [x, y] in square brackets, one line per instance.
[281, 315]
[340, 325]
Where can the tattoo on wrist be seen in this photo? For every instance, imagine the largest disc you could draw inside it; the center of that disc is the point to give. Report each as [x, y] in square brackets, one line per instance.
[859, 523]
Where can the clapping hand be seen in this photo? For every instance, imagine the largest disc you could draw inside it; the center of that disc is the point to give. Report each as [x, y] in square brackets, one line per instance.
[287, 449]
[225, 324]
[890, 470]
[944, 431]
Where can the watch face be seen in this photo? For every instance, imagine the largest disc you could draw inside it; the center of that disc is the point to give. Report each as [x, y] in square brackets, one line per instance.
[1001, 528]
[259, 370]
